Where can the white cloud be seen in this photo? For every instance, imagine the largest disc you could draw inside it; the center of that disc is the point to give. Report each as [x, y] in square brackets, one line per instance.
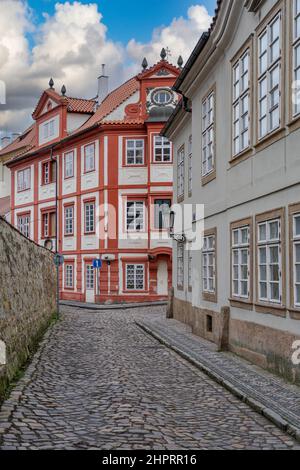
[71, 45]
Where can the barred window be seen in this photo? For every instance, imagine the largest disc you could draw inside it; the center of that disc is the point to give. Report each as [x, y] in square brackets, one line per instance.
[190, 267]
[180, 265]
[135, 277]
[296, 52]
[180, 171]
[190, 179]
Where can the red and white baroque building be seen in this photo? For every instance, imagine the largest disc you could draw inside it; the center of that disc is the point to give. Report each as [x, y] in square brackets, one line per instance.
[115, 177]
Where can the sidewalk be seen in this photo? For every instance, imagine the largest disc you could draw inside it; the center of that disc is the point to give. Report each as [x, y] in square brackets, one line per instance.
[266, 393]
[89, 306]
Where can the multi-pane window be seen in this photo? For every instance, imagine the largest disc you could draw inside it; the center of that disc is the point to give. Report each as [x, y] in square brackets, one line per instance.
[241, 100]
[89, 217]
[296, 54]
[209, 264]
[69, 276]
[135, 216]
[162, 149]
[208, 134]
[24, 177]
[24, 224]
[69, 220]
[89, 158]
[190, 267]
[190, 175]
[180, 265]
[135, 149]
[180, 172]
[269, 261]
[89, 277]
[269, 83]
[296, 267]
[48, 129]
[48, 172]
[48, 224]
[241, 262]
[161, 213]
[135, 277]
[69, 165]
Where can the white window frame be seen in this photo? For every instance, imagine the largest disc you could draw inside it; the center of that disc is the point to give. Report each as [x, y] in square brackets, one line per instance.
[267, 106]
[295, 48]
[89, 277]
[208, 253]
[137, 219]
[165, 147]
[135, 149]
[240, 114]
[296, 243]
[89, 217]
[69, 220]
[69, 165]
[89, 158]
[180, 171]
[180, 265]
[23, 222]
[190, 169]
[239, 247]
[268, 243]
[69, 275]
[136, 270]
[24, 179]
[190, 266]
[208, 134]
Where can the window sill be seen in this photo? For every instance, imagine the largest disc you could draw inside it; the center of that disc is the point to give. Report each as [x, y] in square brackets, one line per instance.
[294, 124]
[68, 235]
[89, 233]
[23, 190]
[68, 177]
[90, 171]
[144, 165]
[209, 178]
[209, 297]
[180, 199]
[242, 156]
[294, 313]
[271, 309]
[239, 302]
[270, 139]
[180, 288]
[162, 163]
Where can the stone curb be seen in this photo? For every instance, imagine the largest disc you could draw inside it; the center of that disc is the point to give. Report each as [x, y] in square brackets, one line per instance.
[111, 306]
[256, 405]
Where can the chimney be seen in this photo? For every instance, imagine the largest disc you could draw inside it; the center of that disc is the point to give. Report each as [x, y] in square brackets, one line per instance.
[5, 141]
[102, 86]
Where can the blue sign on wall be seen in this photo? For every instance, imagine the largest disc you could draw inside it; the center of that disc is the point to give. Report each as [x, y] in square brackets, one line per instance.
[97, 263]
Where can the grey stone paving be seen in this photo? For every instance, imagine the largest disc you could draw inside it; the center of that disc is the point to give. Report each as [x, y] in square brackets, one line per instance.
[100, 382]
[270, 393]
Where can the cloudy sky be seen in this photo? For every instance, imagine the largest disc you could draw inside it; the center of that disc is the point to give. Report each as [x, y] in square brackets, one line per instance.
[69, 40]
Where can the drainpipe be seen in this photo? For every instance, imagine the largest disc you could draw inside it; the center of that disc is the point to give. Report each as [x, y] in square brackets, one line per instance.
[56, 227]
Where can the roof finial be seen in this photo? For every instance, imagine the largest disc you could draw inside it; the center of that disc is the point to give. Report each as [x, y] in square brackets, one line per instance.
[63, 90]
[180, 62]
[51, 83]
[145, 63]
[163, 54]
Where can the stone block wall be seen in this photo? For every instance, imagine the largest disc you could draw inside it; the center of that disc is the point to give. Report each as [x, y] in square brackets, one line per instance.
[27, 297]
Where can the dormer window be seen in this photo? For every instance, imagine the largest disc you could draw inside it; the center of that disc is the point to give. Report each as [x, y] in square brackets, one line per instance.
[49, 129]
[162, 97]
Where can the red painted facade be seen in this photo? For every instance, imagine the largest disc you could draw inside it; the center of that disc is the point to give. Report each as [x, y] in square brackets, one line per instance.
[100, 191]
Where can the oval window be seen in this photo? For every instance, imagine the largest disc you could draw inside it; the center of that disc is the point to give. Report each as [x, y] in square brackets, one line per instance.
[162, 97]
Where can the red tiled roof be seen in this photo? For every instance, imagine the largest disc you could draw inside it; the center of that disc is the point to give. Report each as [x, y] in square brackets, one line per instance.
[112, 101]
[4, 205]
[78, 105]
[21, 144]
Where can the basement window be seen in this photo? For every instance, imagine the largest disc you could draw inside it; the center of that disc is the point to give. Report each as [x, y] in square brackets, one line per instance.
[209, 324]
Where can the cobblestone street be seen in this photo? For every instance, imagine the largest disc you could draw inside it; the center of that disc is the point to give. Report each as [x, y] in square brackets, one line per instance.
[100, 382]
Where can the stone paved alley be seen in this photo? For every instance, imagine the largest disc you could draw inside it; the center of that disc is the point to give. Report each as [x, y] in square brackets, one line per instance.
[100, 382]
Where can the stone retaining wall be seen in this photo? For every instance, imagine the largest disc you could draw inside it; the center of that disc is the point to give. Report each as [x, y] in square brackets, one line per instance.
[27, 297]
